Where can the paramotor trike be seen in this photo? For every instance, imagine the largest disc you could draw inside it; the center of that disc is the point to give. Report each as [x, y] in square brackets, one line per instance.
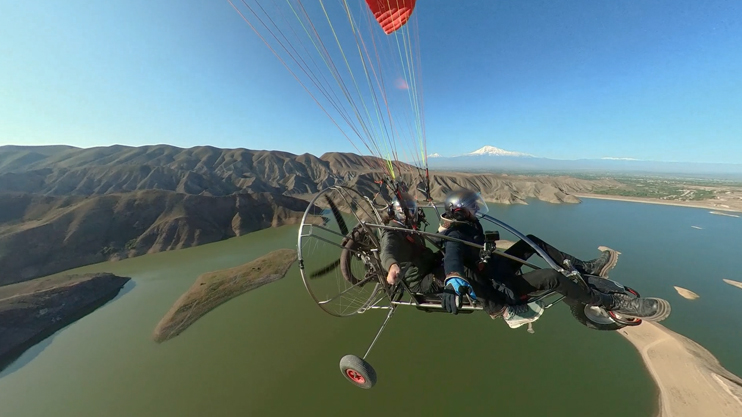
[340, 219]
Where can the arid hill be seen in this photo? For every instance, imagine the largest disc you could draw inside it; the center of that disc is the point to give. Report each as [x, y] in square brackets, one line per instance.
[63, 207]
[207, 170]
[41, 235]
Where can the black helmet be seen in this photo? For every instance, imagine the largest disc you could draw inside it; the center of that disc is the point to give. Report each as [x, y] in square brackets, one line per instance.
[465, 199]
[407, 203]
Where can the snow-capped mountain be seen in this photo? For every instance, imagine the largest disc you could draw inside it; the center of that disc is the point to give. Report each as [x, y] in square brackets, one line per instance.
[484, 158]
[494, 151]
[490, 158]
[434, 155]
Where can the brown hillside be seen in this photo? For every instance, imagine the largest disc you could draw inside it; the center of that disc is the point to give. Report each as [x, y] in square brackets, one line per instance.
[41, 235]
[210, 171]
[63, 207]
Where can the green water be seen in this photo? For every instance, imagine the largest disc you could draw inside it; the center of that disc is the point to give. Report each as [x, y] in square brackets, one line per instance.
[273, 352]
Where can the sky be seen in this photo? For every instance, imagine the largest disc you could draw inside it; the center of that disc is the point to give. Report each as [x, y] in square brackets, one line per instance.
[653, 79]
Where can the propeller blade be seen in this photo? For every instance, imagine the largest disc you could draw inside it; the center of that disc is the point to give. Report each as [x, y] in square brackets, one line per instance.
[325, 270]
[338, 216]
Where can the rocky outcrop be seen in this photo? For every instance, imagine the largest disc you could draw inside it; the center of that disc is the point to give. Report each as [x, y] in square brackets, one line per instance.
[32, 311]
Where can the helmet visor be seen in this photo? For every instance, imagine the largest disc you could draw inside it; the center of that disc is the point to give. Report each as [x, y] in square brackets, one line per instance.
[479, 205]
[408, 203]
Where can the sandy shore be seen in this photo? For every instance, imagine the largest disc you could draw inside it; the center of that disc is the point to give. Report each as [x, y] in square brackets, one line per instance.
[733, 283]
[691, 381]
[704, 204]
[686, 293]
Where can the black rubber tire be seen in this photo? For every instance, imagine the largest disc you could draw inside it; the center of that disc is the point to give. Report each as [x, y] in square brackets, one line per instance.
[630, 322]
[357, 371]
[357, 241]
[578, 312]
[633, 291]
[346, 259]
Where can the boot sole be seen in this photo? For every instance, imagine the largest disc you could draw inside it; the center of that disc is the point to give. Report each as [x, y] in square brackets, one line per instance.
[612, 261]
[663, 311]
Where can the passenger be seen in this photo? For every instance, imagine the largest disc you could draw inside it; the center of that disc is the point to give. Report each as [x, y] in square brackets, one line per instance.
[405, 254]
[466, 274]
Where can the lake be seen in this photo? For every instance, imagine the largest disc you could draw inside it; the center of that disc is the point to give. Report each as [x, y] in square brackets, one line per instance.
[273, 352]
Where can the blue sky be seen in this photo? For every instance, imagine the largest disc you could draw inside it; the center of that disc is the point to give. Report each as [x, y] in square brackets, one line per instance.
[655, 79]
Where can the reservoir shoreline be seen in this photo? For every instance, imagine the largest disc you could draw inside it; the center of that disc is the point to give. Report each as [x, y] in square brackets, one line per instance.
[29, 317]
[690, 380]
[734, 208]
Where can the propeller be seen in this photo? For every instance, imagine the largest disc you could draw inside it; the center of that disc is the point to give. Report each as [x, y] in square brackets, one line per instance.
[343, 229]
[338, 217]
[324, 271]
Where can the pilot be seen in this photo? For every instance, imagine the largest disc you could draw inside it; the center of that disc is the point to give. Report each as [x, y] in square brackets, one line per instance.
[406, 255]
[464, 273]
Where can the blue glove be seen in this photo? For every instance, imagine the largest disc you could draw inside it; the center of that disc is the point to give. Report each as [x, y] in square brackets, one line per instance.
[454, 288]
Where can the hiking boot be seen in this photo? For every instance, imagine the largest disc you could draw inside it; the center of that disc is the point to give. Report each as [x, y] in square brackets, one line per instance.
[516, 316]
[649, 309]
[599, 266]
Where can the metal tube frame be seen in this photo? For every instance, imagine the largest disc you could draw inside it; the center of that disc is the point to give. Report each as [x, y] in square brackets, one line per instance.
[391, 292]
[340, 189]
[465, 242]
[381, 329]
[428, 235]
[524, 238]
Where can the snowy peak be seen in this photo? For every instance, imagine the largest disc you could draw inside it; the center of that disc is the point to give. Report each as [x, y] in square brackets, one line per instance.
[434, 155]
[493, 151]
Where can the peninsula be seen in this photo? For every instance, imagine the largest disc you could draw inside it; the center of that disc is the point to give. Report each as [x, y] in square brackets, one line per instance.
[32, 311]
[215, 288]
[691, 381]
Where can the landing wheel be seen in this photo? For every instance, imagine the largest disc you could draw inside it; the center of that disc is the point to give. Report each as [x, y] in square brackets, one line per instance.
[593, 317]
[359, 372]
[633, 291]
[626, 321]
[358, 247]
[598, 318]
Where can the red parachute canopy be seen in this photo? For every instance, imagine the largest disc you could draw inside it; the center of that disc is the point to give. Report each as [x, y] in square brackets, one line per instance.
[391, 14]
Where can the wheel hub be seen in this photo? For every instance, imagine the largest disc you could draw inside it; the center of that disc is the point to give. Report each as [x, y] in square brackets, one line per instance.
[355, 376]
[598, 315]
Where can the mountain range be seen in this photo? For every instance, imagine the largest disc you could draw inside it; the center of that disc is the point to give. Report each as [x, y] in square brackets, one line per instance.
[491, 159]
[62, 207]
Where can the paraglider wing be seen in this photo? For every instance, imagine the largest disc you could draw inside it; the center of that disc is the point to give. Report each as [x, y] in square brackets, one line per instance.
[391, 14]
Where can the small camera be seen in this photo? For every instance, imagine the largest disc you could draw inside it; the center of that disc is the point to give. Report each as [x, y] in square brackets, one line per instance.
[491, 236]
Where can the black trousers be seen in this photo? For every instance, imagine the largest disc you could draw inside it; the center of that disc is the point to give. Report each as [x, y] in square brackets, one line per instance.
[506, 271]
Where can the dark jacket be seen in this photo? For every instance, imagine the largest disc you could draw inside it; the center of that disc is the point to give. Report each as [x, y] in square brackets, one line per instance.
[409, 251]
[461, 259]
[465, 261]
